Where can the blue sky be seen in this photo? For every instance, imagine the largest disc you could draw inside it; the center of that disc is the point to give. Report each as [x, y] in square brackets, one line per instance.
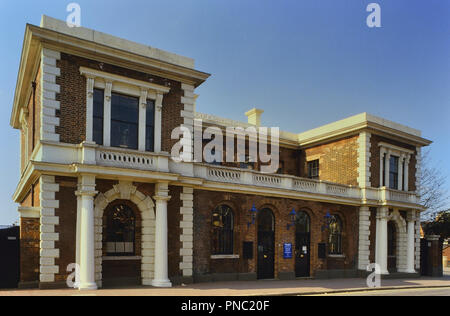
[305, 62]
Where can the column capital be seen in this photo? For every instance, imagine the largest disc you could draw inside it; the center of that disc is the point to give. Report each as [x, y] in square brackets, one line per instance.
[364, 209]
[86, 193]
[383, 213]
[411, 216]
[162, 198]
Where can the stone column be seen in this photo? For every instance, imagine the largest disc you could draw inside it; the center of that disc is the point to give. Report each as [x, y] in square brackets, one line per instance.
[364, 240]
[107, 115]
[161, 278]
[382, 239]
[410, 250]
[87, 240]
[78, 236]
[142, 119]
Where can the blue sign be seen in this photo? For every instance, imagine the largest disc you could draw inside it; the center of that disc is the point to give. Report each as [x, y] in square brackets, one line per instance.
[287, 251]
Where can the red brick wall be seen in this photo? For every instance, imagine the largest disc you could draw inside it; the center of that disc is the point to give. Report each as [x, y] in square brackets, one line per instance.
[338, 161]
[206, 201]
[29, 249]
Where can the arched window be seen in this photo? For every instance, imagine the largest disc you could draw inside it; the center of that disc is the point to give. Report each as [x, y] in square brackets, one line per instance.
[335, 236]
[120, 231]
[223, 231]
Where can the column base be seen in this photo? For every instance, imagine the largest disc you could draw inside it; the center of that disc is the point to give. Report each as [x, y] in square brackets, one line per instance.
[88, 287]
[161, 283]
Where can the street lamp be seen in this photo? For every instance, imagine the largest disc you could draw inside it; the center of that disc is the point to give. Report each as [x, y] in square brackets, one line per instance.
[253, 213]
[293, 217]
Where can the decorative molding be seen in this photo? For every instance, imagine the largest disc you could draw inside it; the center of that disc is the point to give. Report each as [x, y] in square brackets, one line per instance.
[29, 212]
[187, 228]
[126, 190]
[48, 236]
[108, 77]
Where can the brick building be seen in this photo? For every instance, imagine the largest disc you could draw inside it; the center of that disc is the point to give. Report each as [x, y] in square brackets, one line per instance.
[99, 188]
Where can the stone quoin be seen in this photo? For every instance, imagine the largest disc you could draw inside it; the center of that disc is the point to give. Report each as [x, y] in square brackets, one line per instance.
[99, 188]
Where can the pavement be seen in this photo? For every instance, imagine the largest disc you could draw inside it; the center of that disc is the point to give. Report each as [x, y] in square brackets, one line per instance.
[251, 288]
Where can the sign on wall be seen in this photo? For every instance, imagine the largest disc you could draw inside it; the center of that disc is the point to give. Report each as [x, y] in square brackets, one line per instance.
[287, 251]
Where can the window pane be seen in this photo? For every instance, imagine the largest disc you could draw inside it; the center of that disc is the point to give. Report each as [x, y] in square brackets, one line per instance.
[124, 108]
[223, 231]
[393, 173]
[149, 128]
[124, 135]
[124, 121]
[313, 169]
[98, 116]
[120, 231]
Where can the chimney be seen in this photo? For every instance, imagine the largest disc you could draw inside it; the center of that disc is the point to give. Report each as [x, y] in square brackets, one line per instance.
[254, 116]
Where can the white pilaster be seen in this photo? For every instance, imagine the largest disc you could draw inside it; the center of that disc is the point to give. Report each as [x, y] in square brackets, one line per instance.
[107, 114]
[382, 165]
[142, 119]
[90, 81]
[381, 255]
[364, 164]
[400, 172]
[187, 235]
[87, 240]
[364, 238]
[158, 123]
[406, 173]
[387, 169]
[188, 116]
[161, 197]
[410, 250]
[49, 89]
[48, 236]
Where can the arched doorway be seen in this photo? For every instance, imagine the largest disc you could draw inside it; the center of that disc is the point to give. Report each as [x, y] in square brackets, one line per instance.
[302, 244]
[392, 247]
[121, 245]
[266, 244]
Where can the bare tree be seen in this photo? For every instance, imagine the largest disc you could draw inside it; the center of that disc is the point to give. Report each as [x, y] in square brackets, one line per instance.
[432, 187]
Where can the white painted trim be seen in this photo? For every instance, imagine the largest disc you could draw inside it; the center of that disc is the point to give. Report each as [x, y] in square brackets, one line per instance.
[29, 212]
[218, 257]
[118, 258]
[125, 80]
